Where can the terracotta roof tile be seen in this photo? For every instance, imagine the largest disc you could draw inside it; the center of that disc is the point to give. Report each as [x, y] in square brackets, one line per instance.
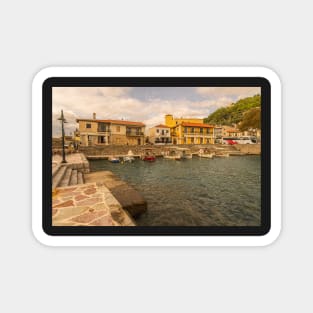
[120, 122]
[197, 125]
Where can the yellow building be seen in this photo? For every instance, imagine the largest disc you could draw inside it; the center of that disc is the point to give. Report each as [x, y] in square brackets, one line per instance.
[171, 121]
[95, 132]
[193, 133]
[189, 130]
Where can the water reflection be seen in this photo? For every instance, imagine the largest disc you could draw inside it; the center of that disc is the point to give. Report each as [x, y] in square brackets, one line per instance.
[197, 192]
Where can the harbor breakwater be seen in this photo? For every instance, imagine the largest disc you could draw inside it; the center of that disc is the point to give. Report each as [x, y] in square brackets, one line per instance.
[160, 149]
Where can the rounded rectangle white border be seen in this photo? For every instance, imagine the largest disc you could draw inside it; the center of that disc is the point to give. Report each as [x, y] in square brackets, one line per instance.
[276, 148]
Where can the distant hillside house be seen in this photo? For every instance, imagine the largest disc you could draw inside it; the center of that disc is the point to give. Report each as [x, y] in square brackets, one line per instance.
[160, 134]
[94, 132]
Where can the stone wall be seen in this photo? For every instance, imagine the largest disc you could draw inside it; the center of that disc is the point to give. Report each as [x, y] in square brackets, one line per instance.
[249, 149]
[122, 150]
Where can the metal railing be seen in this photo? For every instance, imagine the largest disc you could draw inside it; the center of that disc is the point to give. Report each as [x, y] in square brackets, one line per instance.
[103, 130]
[134, 133]
[198, 135]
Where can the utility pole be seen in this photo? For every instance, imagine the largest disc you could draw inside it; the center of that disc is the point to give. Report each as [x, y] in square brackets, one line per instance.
[63, 120]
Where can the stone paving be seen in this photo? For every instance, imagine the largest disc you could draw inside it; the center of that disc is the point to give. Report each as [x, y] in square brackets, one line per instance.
[70, 158]
[75, 160]
[87, 205]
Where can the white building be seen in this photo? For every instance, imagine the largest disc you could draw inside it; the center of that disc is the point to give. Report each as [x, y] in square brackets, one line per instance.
[160, 134]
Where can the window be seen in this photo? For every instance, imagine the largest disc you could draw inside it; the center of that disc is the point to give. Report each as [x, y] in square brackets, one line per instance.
[192, 130]
[102, 127]
[185, 129]
[167, 131]
[118, 129]
[201, 130]
[101, 139]
[88, 125]
[158, 130]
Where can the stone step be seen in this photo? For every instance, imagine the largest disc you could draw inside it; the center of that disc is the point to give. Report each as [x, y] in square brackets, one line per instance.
[73, 180]
[80, 178]
[55, 169]
[66, 178]
[57, 178]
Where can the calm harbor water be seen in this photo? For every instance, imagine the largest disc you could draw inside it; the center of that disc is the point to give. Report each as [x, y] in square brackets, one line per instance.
[196, 192]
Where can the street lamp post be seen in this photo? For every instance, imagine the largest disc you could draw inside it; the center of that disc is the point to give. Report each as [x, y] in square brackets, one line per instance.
[63, 120]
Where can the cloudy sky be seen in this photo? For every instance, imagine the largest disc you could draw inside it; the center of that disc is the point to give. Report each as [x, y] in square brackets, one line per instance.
[142, 104]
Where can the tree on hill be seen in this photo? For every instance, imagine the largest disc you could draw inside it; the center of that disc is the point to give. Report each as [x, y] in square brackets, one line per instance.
[234, 113]
[251, 119]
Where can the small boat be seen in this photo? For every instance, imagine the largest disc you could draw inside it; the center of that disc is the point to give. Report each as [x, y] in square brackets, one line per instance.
[184, 153]
[204, 153]
[172, 154]
[148, 155]
[207, 155]
[114, 159]
[222, 155]
[129, 157]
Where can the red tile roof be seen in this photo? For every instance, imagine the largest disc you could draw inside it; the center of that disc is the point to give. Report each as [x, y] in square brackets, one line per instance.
[197, 125]
[120, 122]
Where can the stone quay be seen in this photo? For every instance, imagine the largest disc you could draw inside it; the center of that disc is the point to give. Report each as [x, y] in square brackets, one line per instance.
[91, 199]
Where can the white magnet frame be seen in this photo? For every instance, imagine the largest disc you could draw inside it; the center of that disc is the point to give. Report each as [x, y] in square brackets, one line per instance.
[128, 240]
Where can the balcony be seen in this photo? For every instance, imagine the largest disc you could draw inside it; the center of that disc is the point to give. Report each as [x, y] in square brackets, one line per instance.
[167, 140]
[103, 130]
[134, 133]
[193, 135]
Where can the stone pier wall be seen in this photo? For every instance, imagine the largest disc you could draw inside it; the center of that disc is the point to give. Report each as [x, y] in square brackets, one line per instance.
[249, 149]
[122, 150]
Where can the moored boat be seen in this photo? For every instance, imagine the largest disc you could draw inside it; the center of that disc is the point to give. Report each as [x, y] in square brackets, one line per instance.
[148, 155]
[129, 157]
[172, 154]
[184, 153]
[204, 153]
[222, 155]
[114, 159]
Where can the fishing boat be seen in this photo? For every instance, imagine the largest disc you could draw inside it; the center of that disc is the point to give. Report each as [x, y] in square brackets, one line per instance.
[148, 155]
[129, 157]
[204, 153]
[172, 154]
[114, 159]
[184, 153]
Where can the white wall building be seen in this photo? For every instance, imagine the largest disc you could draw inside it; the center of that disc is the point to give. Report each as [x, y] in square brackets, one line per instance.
[160, 134]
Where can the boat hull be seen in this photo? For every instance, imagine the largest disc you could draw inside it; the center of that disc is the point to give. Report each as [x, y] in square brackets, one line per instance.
[129, 159]
[207, 156]
[114, 161]
[149, 158]
[172, 157]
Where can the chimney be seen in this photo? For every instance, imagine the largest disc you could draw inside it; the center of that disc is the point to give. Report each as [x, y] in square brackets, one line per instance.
[94, 116]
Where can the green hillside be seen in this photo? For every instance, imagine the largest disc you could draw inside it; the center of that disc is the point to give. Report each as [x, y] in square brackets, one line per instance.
[233, 114]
